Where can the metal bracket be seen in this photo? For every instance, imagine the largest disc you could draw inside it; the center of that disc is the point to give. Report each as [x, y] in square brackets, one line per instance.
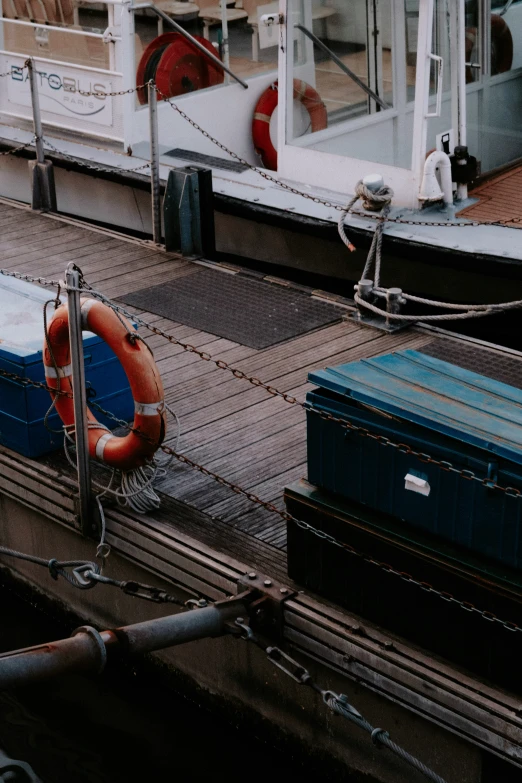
[266, 604]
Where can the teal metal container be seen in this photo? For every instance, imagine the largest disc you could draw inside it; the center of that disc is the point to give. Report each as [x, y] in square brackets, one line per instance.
[446, 413]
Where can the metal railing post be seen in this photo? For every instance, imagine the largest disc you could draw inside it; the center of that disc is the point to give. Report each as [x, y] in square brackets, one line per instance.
[37, 118]
[44, 192]
[154, 163]
[81, 430]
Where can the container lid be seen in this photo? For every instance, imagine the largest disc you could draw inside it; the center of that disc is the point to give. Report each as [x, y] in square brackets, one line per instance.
[437, 395]
[21, 319]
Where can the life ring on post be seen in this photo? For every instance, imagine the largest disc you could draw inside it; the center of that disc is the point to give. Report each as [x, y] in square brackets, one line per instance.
[265, 107]
[501, 47]
[176, 66]
[131, 451]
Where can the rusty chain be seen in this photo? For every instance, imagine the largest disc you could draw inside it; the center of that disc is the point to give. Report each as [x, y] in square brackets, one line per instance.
[14, 150]
[285, 515]
[30, 278]
[444, 465]
[324, 202]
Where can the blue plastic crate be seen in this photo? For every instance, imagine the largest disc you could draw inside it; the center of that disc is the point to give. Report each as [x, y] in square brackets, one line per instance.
[23, 408]
[451, 414]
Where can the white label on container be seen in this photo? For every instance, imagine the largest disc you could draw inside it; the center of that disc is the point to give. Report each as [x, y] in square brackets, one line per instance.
[416, 484]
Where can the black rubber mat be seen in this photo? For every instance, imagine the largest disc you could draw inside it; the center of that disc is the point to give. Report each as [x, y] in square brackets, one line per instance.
[247, 311]
[207, 160]
[499, 366]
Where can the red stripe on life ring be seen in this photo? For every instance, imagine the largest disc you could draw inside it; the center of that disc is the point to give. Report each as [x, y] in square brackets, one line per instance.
[264, 109]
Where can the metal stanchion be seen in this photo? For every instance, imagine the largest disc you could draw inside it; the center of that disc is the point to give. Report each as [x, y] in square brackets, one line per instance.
[44, 191]
[154, 163]
[72, 277]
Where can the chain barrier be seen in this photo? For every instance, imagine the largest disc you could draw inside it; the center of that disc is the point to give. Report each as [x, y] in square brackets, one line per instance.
[14, 150]
[292, 400]
[284, 515]
[337, 702]
[91, 166]
[324, 202]
[30, 278]
[287, 517]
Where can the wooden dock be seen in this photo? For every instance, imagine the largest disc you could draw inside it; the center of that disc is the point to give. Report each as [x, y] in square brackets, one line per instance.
[236, 430]
[204, 537]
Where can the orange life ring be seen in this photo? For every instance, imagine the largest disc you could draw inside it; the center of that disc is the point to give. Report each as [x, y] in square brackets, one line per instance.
[176, 66]
[131, 451]
[265, 107]
[501, 47]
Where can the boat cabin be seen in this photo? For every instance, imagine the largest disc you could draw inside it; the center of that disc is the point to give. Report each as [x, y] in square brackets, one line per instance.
[322, 91]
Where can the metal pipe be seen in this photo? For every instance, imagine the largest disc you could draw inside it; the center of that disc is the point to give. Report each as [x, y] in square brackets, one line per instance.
[190, 38]
[37, 119]
[87, 649]
[317, 41]
[174, 629]
[83, 652]
[154, 163]
[72, 277]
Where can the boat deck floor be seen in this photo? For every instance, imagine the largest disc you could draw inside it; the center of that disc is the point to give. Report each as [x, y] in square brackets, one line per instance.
[233, 428]
[499, 199]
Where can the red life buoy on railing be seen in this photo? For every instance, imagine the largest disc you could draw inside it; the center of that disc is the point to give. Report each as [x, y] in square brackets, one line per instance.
[176, 66]
[501, 47]
[132, 451]
[265, 107]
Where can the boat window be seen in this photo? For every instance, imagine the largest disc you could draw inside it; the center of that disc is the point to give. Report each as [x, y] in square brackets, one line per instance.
[355, 78]
[494, 81]
[51, 29]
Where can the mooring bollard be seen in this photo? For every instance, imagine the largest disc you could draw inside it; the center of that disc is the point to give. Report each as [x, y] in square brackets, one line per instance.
[44, 190]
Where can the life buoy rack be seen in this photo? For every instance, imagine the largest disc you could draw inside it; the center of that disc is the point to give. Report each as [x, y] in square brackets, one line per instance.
[265, 107]
[501, 47]
[131, 451]
[176, 66]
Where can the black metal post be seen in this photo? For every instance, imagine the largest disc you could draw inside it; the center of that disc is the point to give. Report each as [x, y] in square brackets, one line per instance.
[81, 431]
[44, 191]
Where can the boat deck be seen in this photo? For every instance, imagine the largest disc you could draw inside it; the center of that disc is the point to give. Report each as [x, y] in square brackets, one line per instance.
[231, 427]
[499, 199]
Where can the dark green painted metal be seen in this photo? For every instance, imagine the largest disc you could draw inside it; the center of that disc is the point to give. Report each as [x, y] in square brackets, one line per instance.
[188, 212]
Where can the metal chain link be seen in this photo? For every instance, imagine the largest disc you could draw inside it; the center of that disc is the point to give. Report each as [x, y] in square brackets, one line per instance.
[37, 384]
[324, 202]
[30, 278]
[252, 497]
[20, 148]
[92, 166]
[287, 517]
[289, 398]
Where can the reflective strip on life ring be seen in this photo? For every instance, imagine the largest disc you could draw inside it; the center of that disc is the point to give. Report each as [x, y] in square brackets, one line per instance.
[265, 107]
[131, 451]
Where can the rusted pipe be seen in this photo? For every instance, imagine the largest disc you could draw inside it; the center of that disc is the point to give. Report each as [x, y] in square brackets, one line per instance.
[86, 650]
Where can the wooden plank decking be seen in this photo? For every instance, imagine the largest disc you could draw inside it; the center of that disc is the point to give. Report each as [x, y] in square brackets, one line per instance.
[231, 427]
[499, 199]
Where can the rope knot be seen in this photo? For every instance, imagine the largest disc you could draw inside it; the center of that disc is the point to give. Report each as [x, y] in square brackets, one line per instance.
[374, 200]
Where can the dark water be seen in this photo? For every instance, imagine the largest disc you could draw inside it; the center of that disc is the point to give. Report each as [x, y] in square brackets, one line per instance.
[123, 726]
